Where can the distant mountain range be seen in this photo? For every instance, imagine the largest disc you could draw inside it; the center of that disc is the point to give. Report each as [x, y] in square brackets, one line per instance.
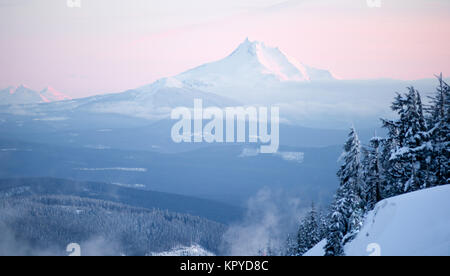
[25, 95]
[253, 74]
[252, 62]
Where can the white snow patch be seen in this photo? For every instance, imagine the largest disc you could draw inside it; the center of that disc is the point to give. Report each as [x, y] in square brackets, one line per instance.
[413, 224]
[192, 251]
[290, 156]
[113, 169]
[15, 149]
[249, 152]
[10, 149]
[317, 250]
[51, 119]
[104, 130]
[97, 147]
[136, 186]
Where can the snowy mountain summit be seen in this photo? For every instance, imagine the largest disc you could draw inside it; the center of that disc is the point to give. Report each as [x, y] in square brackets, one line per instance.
[252, 63]
[49, 94]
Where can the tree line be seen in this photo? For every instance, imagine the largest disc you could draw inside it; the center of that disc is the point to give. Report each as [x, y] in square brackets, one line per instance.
[47, 224]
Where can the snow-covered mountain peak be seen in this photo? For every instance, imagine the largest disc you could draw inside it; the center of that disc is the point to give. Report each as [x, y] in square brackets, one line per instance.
[252, 62]
[248, 47]
[49, 94]
[268, 61]
[22, 88]
[21, 91]
[22, 94]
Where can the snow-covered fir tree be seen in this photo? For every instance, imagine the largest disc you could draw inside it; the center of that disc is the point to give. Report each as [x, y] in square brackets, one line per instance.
[309, 232]
[291, 247]
[348, 208]
[338, 225]
[323, 220]
[390, 187]
[351, 181]
[373, 173]
[302, 241]
[439, 134]
[313, 228]
[409, 160]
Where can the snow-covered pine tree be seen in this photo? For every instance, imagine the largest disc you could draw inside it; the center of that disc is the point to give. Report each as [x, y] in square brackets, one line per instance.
[312, 228]
[309, 233]
[302, 243]
[372, 173]
[423, 149]
[352, 184]
[323, 220]
[439, 134]
[291, 247]
[348, 207]
[390, 186]
[338, 225]
[408, 163]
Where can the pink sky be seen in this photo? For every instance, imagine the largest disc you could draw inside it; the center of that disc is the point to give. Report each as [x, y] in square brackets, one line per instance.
[102, 48]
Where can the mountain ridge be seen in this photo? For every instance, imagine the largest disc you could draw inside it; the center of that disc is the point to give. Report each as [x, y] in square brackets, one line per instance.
[23, 94]
[138, 198]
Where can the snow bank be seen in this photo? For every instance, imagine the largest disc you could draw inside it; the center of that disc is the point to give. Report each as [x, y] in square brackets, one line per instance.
[192, 251]
[413, 224]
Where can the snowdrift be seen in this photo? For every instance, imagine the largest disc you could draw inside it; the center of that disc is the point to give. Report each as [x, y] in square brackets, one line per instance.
[414, 224]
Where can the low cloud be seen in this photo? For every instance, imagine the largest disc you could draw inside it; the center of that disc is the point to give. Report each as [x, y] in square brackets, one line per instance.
[271, 216]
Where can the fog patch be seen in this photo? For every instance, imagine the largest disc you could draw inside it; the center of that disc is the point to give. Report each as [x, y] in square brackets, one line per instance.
[271, 216]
